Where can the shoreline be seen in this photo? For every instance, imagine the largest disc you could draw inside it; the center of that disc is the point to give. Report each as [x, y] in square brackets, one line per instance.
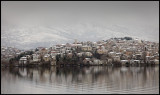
[83, 65]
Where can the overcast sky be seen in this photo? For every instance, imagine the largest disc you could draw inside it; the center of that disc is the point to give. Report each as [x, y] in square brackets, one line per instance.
[143, 15]
[126, 12]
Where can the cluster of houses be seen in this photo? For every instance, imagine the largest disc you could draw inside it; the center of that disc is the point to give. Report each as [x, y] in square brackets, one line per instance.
[9, 52]
[101, 52]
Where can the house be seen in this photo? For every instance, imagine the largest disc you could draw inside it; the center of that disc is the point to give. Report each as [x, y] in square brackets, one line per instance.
[28, 57]
[104, 62]
[137, 61]
[101, 51]
[94, 44]
[70, 55]
[118, 54]
[128, 53]
[23, 61]
[88, 54]
[46, 57]
[99, 46]
[68, 51]
[138, 56]
[53, 60]
[156, 61]
[36, 57]
[86, 48]
[111, 53]
[87, 61]
[124, 62]
[116, 58]
[97, 62]
[43, 51]
[79, 54]
[57, 47]
[76, 45]
[62, 50]
[109, 60]
[148, 59]
[54, 52]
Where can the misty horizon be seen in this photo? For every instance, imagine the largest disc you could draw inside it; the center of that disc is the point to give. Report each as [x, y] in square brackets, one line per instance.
[28, 25]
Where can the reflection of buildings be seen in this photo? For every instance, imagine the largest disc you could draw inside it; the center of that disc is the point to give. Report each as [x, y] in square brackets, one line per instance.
[110, 77]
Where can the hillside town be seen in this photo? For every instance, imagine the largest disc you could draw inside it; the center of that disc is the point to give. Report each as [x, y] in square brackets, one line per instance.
[114, 51]
[9, 52]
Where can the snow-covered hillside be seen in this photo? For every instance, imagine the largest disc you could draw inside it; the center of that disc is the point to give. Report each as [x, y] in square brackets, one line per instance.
[48, 35]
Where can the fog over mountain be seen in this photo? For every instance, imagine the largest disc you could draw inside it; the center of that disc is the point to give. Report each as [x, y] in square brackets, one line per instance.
[27, 25]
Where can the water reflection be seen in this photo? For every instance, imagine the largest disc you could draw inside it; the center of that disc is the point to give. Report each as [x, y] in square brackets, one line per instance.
[94, 79]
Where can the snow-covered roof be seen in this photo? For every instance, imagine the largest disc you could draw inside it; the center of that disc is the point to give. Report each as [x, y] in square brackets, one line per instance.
[111, 52]
[136, 60]
[124, 60]
[23, 58]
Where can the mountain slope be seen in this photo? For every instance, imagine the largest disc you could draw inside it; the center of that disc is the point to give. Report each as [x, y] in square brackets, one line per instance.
[32, 37]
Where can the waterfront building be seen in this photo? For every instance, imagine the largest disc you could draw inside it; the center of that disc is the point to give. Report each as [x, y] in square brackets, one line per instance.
[36, 57]
[53, 60]
[46, 57]
[23, 61]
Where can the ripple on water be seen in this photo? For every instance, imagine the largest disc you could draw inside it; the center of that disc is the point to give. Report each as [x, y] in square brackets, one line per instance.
[101, 80]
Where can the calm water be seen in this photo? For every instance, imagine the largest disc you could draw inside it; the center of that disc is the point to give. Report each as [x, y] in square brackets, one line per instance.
[94, 79]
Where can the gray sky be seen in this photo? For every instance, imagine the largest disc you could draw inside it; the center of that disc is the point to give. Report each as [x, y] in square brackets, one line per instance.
[134, 15]
[107, 12]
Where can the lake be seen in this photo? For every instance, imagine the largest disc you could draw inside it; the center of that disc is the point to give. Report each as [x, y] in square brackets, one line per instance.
[83, 80]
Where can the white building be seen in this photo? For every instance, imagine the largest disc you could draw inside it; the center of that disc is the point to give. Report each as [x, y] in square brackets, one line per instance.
[97, 62]
[88, 54]
[54, 52]
[36, 57]
[23, 61]
[79, 54]
[124, 62]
